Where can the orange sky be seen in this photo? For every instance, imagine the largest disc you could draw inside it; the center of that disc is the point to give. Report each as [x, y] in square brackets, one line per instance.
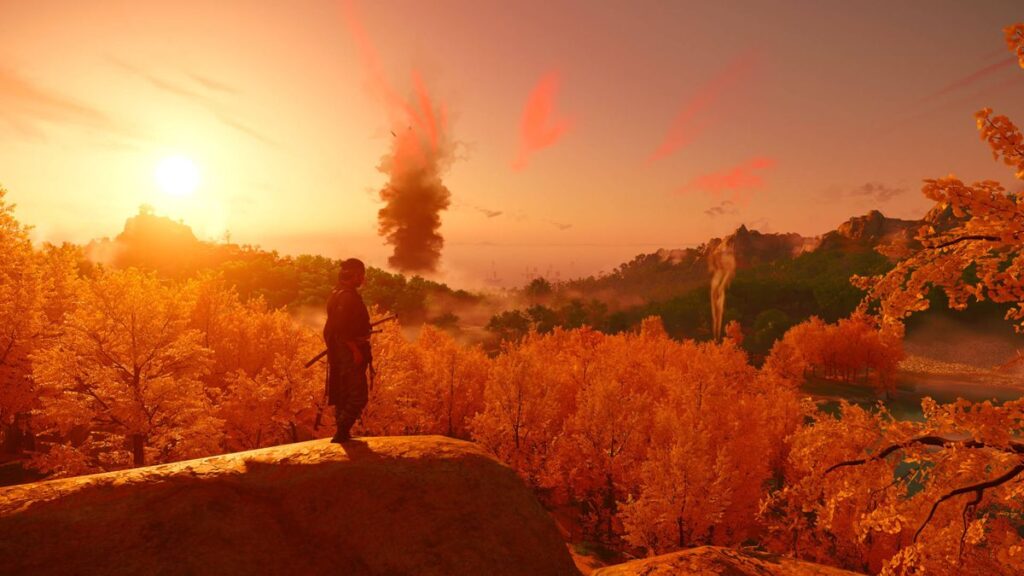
[587, 132]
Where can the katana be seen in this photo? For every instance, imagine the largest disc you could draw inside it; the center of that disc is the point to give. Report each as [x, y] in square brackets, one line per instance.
[372, 324]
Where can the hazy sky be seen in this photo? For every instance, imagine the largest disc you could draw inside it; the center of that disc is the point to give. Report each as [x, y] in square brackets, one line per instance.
[651, 124]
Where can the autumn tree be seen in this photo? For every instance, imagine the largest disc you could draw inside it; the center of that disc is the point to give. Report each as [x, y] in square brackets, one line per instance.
[21, 307]
[37, 290]
[275, 399]
[867, 492]
[394, 407]
[122, 384]
[943, 495]
[716, 441]
[977, 254]
[528, 396]
[452, 386]
[605, 437]
[858, 348]
[257, 378]
[432, 385]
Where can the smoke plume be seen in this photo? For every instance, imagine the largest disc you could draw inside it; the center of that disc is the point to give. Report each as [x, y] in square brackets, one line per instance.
[722, 264]
[421, 152]
[415, 194]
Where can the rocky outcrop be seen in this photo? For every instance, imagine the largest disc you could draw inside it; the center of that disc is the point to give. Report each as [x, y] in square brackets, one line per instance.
[892, 237]
[710, 561]
[753, 248]
[406, 505]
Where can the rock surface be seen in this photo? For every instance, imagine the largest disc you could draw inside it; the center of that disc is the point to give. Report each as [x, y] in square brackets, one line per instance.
[892, 237]
[710, 561]
[404, 505]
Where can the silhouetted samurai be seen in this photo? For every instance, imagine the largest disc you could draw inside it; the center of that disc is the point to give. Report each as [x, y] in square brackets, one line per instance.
[347, 334]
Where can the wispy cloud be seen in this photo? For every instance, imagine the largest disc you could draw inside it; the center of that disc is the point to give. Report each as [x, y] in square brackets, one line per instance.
[877, 191]
[487, 212]
[739, 181]
[723, 208]
[25, 104]
[760, 224]
[560, 225]
[245, 128]
[211, 84]
[692, 118]
[197, 95]
[539, 127]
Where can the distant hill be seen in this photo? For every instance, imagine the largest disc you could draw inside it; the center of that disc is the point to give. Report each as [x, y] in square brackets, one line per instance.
[154, 242]
[781, 279]
[170, 249]
[667, 272]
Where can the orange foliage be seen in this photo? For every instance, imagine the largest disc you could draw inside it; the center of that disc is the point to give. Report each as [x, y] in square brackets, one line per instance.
[655, 443]
[942, 496]
[430, 386]
[21, 303]
[528, 396]
[1015, 41]
[716, 441]
[976, 253]
[36, 291]
[121, 385]
[860, 488]
[853, 348]
[257, 379]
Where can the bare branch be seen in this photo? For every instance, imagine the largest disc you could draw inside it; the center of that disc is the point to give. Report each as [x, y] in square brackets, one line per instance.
[978, 488]
[977, 237]
[968, 513]
[1014, 447]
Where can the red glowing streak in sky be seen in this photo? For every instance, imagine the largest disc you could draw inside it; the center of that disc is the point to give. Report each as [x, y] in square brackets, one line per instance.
[740, 180]
[687, 124]
[418, 116]
[539, 128]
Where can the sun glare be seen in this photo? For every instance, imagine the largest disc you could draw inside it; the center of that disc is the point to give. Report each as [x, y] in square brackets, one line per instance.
[177, 176]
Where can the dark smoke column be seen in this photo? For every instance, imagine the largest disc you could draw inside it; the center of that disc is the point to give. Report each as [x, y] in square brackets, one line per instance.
[415, 196]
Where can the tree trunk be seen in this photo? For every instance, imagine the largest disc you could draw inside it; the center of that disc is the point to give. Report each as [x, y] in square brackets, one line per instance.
[138, 450]
[451, 400]
[609, 503]
[9, 435]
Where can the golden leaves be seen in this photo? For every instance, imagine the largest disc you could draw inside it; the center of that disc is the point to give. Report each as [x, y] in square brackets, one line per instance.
[1015, 40]
[1003, 137]
[984, 239]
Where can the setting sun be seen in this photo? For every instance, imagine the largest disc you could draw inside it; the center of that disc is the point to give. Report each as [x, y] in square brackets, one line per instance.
[177, 176]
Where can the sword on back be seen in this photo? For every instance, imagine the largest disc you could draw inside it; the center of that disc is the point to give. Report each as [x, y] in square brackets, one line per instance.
[372, 324]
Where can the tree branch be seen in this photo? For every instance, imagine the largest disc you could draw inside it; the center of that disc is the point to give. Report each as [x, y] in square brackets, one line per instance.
[979, 237]
[1014, 447]
[978, 488]
[968, 513]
